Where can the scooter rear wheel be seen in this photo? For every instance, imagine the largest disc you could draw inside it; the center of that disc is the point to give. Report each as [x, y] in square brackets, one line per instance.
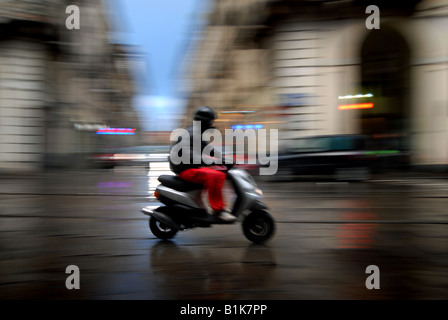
[258, 226]
[161, 230]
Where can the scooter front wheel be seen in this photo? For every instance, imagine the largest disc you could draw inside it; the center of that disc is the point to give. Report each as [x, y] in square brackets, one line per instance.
[258, 226]
[161, 230]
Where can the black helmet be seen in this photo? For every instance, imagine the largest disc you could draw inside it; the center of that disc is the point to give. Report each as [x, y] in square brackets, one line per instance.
[205, 114]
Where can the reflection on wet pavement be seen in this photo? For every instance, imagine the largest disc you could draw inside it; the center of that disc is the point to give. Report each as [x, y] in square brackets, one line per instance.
[187, 272]
[326, 237]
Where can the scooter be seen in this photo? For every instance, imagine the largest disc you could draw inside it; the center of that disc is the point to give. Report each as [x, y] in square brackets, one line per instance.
[184, 208]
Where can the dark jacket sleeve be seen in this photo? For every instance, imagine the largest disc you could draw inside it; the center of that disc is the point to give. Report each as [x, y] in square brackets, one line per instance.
[177, 168]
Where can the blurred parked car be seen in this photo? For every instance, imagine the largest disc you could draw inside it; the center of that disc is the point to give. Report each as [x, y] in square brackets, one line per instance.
[338, 155]
[391, 152]
[131, 156]
[344, 157]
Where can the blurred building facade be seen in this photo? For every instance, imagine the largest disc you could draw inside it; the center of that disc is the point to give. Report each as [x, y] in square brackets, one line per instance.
[59, 85]
[291, 64]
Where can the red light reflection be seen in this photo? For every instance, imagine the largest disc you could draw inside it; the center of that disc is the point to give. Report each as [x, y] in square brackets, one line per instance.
[357, 234]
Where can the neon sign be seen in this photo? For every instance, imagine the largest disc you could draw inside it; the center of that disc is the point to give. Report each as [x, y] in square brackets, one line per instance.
[356, 96]
[247, 126]
[356, 106]
[116, 131]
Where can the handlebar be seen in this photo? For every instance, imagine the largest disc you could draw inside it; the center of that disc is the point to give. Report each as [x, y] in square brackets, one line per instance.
[223, 167]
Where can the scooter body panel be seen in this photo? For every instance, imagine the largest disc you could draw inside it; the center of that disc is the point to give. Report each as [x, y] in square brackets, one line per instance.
[191, 199]
[244, 188]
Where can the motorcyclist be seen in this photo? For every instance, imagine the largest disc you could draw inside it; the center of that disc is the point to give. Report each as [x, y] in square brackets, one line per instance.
[212, 180]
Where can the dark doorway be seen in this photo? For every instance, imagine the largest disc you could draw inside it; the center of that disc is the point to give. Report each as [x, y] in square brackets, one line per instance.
[385, 72]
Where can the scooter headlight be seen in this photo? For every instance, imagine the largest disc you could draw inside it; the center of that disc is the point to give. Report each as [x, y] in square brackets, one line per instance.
[259, 192]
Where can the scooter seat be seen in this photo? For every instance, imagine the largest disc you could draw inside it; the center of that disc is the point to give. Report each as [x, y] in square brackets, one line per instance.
[178, 184]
